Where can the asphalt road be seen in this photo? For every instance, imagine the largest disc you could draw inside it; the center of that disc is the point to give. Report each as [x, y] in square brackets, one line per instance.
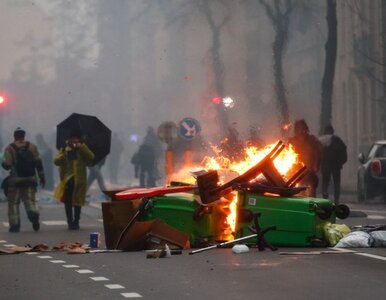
[216, 274]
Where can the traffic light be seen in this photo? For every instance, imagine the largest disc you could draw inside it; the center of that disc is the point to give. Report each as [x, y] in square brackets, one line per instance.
[216, 100]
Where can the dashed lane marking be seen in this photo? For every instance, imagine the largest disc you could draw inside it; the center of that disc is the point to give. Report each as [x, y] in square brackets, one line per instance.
[58, 261]
[5, 224]
[84, 271]
[54, 223]
[3, 241]
[131, 295]
[100, 220]
[31, 253]
[70, 266]
[99, 278]
[9, 245]
[114, 286]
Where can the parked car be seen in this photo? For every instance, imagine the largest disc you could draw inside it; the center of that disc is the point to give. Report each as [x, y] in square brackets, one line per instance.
[372, 172]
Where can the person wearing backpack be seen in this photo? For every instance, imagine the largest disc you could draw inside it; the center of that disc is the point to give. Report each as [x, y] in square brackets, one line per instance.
[334, 157]
[23, 161]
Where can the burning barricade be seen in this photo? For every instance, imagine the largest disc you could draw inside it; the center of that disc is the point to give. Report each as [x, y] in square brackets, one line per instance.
[261, 201]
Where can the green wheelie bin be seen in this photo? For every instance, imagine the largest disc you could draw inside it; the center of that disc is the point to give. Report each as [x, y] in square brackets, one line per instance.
[298, 220]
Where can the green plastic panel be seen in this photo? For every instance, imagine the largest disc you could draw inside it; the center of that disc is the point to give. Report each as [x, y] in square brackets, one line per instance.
[177, 210]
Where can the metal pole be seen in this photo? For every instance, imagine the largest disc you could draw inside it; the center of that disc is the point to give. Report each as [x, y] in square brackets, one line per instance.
[223, 244]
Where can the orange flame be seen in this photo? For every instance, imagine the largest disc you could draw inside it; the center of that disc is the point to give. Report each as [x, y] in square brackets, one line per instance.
[286, 126]
[228, 170]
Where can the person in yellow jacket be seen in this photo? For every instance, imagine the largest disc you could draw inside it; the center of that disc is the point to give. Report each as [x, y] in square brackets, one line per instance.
[72, 161]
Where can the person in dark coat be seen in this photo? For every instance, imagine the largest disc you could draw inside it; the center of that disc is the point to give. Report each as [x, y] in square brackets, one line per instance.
[334, 157]
[145, 164]
[309, 149]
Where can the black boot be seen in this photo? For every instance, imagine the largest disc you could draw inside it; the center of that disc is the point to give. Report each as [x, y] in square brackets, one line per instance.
[68, 208]
[14, 228]
[34, 218]
[77, 210]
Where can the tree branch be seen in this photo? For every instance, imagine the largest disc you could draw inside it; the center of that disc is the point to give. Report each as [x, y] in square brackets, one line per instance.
[368, 57]
[269, 11]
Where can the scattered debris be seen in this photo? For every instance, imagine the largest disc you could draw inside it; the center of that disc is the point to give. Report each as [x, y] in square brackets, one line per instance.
[333, 233]
[15, 249]
[153, 235]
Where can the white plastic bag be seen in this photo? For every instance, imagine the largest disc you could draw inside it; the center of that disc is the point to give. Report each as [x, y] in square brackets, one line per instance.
[240, 249]
[355, 239]
[379, 237]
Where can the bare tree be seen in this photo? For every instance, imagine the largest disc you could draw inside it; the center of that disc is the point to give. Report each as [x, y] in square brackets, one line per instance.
[210, 10]
[329, 65]
[279, 12]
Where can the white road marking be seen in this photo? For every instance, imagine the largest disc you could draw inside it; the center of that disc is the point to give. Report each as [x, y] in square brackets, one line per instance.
[3, 241]
[100, 220]
[31, 253]
[70, 266]
[9, 245]
[99, 278]
[6, 224]
[363, 254]
[131, 295]
[83, 271]
[376, 217]
[114, 286]
[54, 223]
[45, 256]
[372, 256]
[58, 261]
[368, 210]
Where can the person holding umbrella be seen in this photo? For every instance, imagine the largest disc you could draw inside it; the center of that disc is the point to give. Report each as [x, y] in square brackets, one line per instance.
[72, 160]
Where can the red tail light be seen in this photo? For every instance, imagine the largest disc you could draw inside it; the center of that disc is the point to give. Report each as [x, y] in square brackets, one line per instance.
[376, 167]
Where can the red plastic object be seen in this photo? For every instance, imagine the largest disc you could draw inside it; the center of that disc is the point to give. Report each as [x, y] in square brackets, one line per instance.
[151, 192]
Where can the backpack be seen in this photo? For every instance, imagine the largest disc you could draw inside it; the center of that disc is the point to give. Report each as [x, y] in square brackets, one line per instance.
[336, 153]
[25, 161]
[340, 150]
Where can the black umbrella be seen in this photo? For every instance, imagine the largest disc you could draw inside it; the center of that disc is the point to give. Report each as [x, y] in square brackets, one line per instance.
[95, 134]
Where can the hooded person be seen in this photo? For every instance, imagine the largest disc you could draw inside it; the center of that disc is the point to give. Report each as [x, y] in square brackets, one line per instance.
[334, 157]
[72, 161]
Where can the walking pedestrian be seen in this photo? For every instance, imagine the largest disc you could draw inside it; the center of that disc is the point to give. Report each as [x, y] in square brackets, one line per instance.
[72, 161]
[145, 164]
[23, 161]
[114, 160]
[309, 149]
[96, 174]
[334, 157]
